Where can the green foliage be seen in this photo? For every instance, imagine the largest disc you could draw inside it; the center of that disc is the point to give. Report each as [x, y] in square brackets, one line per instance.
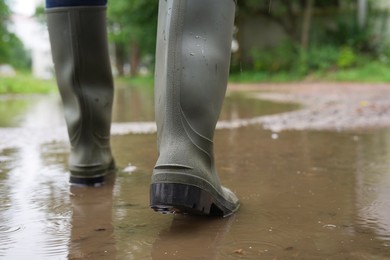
[4, 13]
[322, 57]
[272, 60]
[339, 50]
[142, 81]
[16, 54]
[288, 57]
[4, 34]
[344, 31]
[347, 57]
[374, 71]
[134, 21]
[337, 43]
[325, 57]
[11, 48]
[40, 14]
[286, 13]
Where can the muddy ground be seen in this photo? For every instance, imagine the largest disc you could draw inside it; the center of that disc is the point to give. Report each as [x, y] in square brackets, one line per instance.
[326, 106]
[314, 183]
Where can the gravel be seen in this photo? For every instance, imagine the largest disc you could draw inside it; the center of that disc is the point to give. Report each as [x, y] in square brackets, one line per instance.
[325, 106]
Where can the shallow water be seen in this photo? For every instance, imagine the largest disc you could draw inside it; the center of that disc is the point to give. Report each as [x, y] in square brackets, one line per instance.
[304, 195]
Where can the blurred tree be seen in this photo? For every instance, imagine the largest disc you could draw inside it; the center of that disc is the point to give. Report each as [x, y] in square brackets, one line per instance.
[40, 14]
[4, 16]
[362, 12]
[285, 14]
[293, 16]
[304, 25]
[132, 26]
[11, 48]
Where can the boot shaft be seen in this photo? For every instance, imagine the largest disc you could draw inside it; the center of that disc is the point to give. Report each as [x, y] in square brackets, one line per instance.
[83, 72]
[193, 59]
[192, 66]
[78, 39]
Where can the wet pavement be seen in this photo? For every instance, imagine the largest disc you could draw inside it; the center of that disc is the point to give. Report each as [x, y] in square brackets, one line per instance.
[304, 194]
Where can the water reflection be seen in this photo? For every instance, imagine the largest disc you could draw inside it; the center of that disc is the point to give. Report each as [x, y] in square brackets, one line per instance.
[298, 195]
[35, 216]
[304, 194]
[30, 111]
[12, 108]
[92, 233]
[373, 185]
[134, 104]
[178, 240]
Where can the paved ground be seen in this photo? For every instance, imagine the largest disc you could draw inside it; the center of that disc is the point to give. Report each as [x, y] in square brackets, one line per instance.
[326, 106]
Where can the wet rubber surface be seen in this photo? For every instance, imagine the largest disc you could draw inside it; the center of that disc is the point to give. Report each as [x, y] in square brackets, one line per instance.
[304, 194]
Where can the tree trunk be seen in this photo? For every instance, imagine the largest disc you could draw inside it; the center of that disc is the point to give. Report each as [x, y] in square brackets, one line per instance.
[239, 56]
[308, 13]
[362, 13]
[119, 59]
[134, 58]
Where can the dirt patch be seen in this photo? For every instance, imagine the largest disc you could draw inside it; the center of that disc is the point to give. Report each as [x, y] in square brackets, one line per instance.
[326, 106]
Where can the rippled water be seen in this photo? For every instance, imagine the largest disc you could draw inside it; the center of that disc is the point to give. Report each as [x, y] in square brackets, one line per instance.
[304, 195]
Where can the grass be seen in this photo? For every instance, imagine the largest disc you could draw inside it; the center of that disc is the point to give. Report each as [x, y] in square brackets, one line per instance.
[374, 72]
[147, 80]
[25, 83]
[253, 77]
[371, 72]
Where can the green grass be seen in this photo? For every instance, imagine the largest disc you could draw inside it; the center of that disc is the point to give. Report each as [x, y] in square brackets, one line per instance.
[27, 84]
[372, 72]
[253, 77]
[247, 77]
[147, 80]
[375, 72]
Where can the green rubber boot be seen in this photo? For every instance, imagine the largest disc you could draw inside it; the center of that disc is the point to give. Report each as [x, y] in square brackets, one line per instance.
[78, 39]
[192, 67]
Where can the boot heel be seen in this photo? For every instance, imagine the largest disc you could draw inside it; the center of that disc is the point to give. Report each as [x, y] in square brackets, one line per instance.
[172, 198]
[90, 177]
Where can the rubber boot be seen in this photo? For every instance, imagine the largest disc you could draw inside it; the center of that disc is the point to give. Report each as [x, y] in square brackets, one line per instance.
[192, 67]
[78, 39]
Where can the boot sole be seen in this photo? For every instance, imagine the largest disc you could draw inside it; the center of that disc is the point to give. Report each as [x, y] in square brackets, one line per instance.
[89, 177]
[177, 198]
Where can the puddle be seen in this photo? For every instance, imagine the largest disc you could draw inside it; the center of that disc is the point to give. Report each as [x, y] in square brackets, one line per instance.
[304, 194]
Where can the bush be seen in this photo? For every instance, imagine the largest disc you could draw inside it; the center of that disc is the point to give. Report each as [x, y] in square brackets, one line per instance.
[317, 58]
[286, 58]
[347, 58]
[280, 58]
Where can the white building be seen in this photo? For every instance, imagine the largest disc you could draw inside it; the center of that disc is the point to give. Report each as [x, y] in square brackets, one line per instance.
[34, 36]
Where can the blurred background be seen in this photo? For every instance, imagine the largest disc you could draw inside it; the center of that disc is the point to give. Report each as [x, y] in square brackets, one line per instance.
[274, 40]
